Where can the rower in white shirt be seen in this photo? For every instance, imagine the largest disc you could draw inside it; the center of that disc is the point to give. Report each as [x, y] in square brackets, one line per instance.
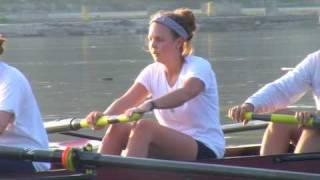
[21, 124]
[277, 96]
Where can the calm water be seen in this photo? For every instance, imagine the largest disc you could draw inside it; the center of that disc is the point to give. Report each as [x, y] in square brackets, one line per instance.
[73, 75]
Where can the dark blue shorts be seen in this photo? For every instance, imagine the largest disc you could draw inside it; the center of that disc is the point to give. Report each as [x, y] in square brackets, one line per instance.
[10, 166]
[204, 152]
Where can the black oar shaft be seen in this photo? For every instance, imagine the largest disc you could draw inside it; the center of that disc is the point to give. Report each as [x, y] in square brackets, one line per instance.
[13, 153]
[261, 117]
[86, 159]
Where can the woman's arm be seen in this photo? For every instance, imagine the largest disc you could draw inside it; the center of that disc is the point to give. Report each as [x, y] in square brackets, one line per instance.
[287, 89]
[136, 94]
[192, 87]
[5, 119]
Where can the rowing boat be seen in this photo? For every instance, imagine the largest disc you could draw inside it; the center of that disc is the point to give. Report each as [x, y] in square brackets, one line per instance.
[240, 162]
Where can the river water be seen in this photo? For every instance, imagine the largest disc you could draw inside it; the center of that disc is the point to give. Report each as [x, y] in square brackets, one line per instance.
[72, 76]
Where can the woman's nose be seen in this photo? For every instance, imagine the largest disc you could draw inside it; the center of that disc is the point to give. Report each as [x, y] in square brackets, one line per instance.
[153, 44]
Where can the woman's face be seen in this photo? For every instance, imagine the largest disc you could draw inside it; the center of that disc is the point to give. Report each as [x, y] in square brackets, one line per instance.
[162, 45]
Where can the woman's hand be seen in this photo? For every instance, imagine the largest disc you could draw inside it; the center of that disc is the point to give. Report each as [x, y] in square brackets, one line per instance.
[237, 113]
[92, 118]
[303, 117]
[146, 106]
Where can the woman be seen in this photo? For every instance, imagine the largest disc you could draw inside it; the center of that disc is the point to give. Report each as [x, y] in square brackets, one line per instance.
[278, 95]
[184, 99]
[20, 119]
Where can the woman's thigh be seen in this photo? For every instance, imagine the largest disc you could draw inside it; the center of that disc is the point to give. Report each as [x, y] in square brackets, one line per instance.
[309, 141]
[170, 144]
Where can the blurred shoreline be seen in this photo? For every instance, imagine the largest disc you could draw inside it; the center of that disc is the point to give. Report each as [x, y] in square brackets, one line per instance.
[136, 22]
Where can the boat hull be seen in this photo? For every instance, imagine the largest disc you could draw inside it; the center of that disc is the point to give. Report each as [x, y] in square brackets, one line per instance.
[240, 157]
[264, 162]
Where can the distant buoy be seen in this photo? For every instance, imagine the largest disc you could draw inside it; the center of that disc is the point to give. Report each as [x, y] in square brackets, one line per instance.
[84, 14]
[107, 79]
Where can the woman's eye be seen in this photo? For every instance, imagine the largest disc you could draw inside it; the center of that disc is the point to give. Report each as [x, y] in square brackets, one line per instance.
[159, 39]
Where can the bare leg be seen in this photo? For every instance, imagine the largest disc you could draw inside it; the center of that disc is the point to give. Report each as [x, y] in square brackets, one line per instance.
[277, 138]
[172, 144]
[115, 139]
[309, 141]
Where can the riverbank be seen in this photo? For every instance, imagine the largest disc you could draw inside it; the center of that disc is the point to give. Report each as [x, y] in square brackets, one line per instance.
[139, 25]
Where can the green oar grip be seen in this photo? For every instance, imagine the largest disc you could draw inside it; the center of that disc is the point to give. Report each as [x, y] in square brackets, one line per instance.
[248, 116]
[277, 118]
[106, 120]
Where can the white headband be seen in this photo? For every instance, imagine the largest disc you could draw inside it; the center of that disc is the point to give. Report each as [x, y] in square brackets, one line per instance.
[173, 25]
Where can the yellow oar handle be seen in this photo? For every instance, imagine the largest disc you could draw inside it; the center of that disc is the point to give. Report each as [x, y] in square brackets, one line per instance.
[106, 120]
[281, 118]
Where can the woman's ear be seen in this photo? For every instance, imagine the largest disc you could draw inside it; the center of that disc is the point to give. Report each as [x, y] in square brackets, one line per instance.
[179, 42]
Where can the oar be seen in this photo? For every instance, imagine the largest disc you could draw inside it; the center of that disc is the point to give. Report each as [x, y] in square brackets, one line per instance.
[283, 118]
[74, 159]
[73, 124]
[239, 127]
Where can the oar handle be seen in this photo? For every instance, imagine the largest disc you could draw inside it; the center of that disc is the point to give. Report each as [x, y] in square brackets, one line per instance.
[106, 120]
[74, 124]
[282, 118]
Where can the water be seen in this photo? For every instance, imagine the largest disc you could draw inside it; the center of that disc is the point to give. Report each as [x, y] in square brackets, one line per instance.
[72, 76]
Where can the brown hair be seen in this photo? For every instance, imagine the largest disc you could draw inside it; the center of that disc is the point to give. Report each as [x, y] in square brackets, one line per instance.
[1, 48]
[185, 18]
[2, 40]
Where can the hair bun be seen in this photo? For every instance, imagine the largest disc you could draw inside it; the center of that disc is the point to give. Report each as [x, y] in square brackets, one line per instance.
[188, 17]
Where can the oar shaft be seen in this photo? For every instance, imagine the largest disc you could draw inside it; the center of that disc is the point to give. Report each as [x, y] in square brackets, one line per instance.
[239, 127]
[63, 125]
[13, 153]
[281, 118]
[91, 160]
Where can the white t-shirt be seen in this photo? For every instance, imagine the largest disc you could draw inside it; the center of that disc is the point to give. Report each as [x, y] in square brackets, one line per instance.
[27, 129]
[199, 117]
[291, 87]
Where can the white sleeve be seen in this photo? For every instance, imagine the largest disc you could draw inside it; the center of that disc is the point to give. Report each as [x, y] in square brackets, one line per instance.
[145, 78]
[286, 90]
[10, 95]
[203, 71]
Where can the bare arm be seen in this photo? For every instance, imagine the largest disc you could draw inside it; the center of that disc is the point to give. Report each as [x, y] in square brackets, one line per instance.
[5, 119]
[191, 89]
[136, 94]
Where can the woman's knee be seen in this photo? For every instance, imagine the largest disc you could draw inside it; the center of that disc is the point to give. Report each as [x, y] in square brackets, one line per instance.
[311, 133]
[308, 141]
[145, 127]
[281, 128]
